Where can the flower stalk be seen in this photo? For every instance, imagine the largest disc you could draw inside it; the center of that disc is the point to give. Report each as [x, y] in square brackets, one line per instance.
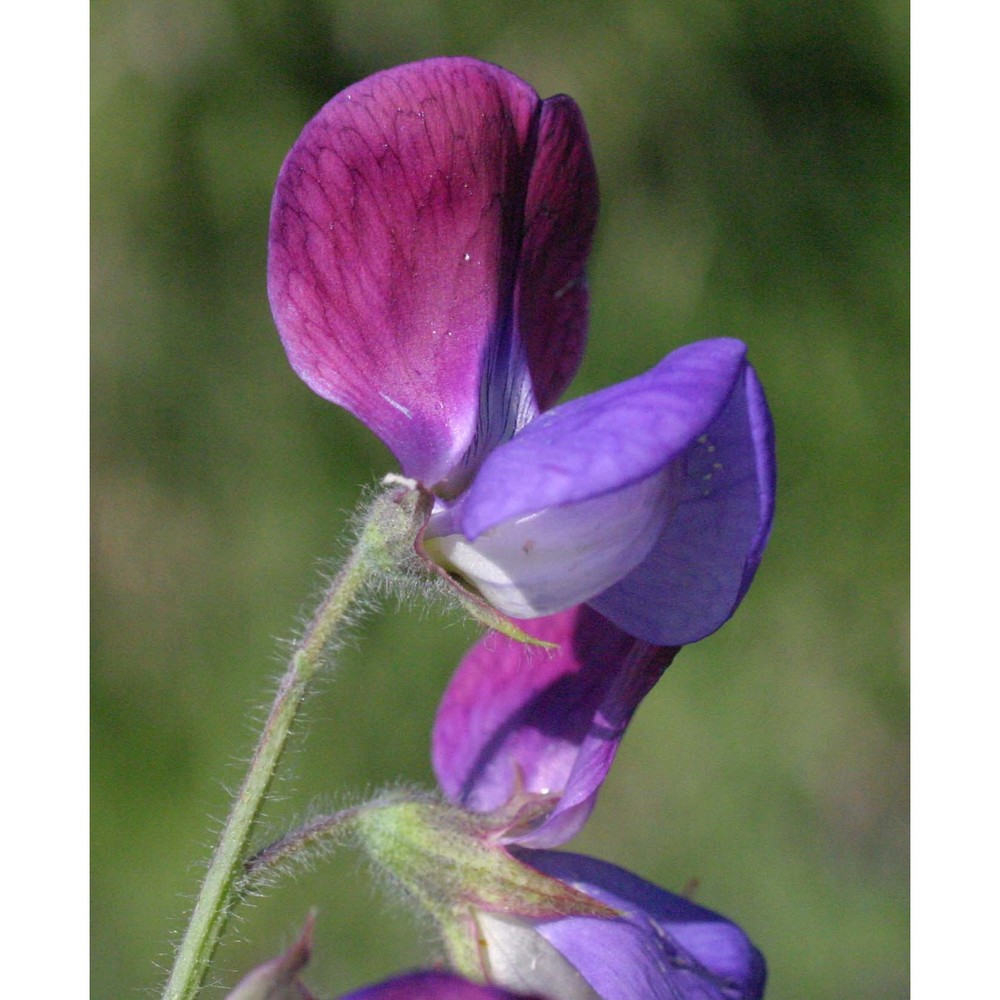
[384, 542]
[300, 845]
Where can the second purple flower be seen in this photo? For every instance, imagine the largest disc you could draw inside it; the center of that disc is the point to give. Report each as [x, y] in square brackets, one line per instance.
[429, 235]
[523, 741]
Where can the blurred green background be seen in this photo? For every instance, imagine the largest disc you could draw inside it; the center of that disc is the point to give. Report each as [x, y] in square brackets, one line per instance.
[753, 162]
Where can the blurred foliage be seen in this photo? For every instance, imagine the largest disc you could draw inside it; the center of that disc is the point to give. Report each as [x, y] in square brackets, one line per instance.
[753, 160]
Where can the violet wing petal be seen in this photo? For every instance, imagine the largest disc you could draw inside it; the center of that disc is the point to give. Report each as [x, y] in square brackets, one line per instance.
[577, 500]
[612, 439]
[518, 720]
[431, 986]
[663, 948]
[704, 560]
[545, 562]
[395, 231]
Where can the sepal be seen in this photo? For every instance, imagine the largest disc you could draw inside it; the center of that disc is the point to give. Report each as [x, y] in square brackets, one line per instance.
[449, 860]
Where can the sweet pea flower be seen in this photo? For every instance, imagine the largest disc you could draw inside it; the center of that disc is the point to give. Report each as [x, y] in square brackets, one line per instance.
[522, 742]
[561, 925]
[528, 735]
[429, 234]
[534, 731]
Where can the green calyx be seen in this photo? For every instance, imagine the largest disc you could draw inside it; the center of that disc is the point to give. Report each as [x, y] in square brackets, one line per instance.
[392, 523]
[451, 863]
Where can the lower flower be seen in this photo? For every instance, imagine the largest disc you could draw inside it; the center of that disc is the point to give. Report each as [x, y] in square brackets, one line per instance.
[565, 926]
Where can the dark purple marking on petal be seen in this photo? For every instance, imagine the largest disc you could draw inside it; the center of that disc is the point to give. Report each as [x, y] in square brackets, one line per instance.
[519, 721]
[664, 947]
[705, 559]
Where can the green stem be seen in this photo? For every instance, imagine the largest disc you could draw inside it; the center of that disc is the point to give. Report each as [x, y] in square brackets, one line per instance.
[385, 539]
[317, 835]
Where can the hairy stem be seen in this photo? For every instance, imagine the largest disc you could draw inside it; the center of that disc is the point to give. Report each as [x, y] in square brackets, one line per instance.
[385, 540]
[314, 836]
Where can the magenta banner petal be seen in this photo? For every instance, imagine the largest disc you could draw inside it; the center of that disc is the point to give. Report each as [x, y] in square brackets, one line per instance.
[395, 230]
[709, 551]
[520, 721]
[663, 948]
[396, 233]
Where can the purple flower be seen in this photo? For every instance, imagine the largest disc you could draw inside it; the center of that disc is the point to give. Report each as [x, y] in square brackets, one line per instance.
[561, 925]
[432, 986]
[534, 731]
[527, 736]
[429, 233]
